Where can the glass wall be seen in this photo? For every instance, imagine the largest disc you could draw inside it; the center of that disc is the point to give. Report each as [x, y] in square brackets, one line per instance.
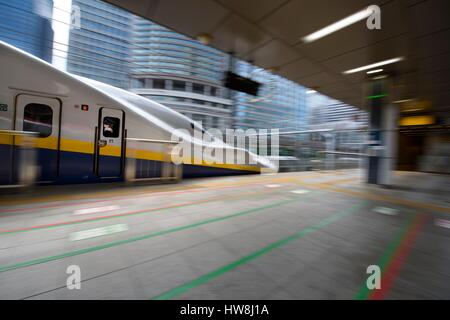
[100, 49]
[26, 24]
[180, 73]
[116, 47]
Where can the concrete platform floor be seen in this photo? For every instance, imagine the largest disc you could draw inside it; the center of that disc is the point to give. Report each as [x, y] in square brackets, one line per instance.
[307, 235]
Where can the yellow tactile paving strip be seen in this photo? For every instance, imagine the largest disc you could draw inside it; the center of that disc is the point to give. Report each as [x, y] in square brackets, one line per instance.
[379, 197]
[204, 183]
[306, 179]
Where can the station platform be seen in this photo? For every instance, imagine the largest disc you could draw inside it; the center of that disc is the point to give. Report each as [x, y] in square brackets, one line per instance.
[303, 235]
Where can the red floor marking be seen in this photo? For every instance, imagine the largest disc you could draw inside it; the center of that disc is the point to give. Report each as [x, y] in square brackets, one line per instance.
[118, 198]
[42, 226]
[391, 273]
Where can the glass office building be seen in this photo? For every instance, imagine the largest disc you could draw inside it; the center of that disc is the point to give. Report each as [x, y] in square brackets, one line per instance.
[180, 73]
[27, 24]
[100, 49]
[116, 47]
[325, 110]
[187, 76]
[280, 102]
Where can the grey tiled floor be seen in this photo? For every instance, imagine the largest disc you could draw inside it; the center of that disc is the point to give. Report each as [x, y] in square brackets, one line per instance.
[222, 243]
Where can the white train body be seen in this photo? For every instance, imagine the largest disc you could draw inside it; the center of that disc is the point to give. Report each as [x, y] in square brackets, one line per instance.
[83, 125]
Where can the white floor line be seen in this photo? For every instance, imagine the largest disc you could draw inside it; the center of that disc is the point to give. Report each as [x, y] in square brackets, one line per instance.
[97, 232]
[386, 211]
[95, 210]
[442, 223]
[273, 185]
[300, 191]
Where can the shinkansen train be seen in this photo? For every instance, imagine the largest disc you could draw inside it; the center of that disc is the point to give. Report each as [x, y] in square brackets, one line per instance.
[83, 127]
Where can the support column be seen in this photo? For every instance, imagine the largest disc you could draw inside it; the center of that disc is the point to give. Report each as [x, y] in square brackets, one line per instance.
[383, 134]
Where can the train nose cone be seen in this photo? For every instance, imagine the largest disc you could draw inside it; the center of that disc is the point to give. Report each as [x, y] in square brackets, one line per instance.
[267, 166]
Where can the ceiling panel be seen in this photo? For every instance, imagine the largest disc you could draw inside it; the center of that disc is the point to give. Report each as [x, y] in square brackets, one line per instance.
[253, 10]
[426, 18]
[434, 63]
[273, 52]
[426, 45]
[298, 69]
[178, 15]
[378, 52]
[239, 36]
[298, 18]
[357, 36]
[318, 80]
[335, 88]
[139, 7]
[269, 32]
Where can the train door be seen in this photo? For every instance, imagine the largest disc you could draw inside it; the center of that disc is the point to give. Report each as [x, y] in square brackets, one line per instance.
[41, 115]
[110, 143]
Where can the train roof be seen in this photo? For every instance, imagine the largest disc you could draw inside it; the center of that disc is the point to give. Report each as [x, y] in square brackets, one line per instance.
[41, 76]
[44, 77]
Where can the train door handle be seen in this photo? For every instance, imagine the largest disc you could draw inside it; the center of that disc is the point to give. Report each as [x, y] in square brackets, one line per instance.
[102, 143]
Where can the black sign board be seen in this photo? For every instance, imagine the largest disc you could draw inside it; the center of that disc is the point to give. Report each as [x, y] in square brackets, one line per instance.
[238, 83]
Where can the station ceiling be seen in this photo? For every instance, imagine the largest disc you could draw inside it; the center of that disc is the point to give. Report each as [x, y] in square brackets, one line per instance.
[269, 33]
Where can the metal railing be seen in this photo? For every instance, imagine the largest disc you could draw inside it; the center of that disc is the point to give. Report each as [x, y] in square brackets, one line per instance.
[169, 170]
[21, 158]
[325, 150]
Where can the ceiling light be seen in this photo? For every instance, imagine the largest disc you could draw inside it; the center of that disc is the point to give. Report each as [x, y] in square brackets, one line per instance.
[412, 110]
[358, 16]
[380, 77]
[311, 91]
[204, 38]
[374, 71]
[374, 65]
[404, 100]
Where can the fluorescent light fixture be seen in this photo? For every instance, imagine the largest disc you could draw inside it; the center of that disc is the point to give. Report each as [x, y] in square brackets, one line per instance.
[404, 100]
[412, 110]
[358, 16]
[374, 71]
[380, 77]
[374, 65]
[311, 91]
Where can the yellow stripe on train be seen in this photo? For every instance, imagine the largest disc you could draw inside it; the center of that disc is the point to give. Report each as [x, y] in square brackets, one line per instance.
[79, 146]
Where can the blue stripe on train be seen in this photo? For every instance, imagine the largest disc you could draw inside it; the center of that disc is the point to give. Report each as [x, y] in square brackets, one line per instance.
[78, 167]
[192, 171]
[5, 163]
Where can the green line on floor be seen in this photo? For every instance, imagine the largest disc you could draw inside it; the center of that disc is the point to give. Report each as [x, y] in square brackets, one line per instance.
[147, 236]
[123, 215]
[226, 268]
[387, 256]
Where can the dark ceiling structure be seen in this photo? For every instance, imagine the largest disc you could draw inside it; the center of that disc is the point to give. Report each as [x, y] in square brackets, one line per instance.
[269, 33]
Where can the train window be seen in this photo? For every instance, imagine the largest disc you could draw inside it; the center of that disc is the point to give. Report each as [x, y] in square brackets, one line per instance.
[159, 84]
[111, 127]
[179, 85]
[198, 88]
[38, 118]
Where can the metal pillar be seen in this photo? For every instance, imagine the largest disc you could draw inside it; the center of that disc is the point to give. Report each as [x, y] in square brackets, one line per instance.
[383, 134]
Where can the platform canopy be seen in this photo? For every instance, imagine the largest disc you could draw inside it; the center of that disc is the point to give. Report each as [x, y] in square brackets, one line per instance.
[269, 33]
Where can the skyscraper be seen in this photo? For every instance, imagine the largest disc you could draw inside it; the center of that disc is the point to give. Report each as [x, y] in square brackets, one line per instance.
[187, 75]
[119, 48]
[280, 102]
[100, 49]
[26, 24]
[180, 73]
[325, 110]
